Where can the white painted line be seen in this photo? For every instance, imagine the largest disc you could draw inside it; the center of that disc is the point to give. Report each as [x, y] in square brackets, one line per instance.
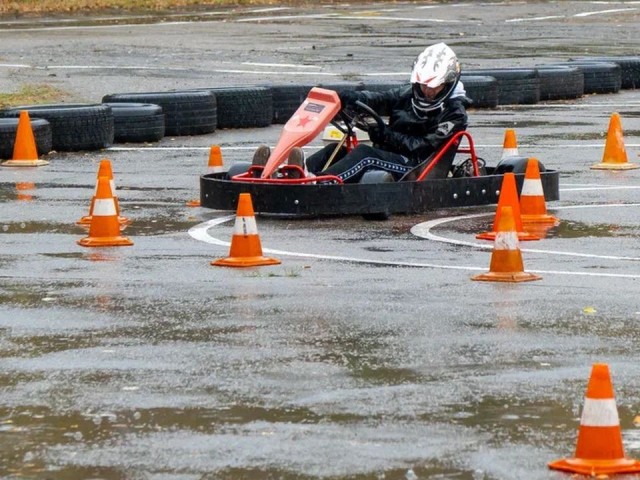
[286, 17]
[396, 19]
[283, 65]
[200, 232]
[423, 230]
[533, 19]
[607, 187]
[601, 12]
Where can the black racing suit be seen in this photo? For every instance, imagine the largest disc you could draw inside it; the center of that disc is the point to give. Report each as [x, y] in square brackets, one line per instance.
[408, 140]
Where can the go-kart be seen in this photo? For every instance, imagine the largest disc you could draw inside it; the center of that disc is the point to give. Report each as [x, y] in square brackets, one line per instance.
[438, 182]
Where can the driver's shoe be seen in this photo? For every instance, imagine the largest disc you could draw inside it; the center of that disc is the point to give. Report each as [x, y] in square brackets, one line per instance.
[296, 157]
[261, 156]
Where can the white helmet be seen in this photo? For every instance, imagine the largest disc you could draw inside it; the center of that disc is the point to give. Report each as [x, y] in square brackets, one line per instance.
[437, 65]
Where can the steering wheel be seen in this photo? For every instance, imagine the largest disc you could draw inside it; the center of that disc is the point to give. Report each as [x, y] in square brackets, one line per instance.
[364, 117]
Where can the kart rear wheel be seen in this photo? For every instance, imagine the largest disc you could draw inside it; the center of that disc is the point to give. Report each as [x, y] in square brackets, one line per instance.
[377, 176]
[238, 168]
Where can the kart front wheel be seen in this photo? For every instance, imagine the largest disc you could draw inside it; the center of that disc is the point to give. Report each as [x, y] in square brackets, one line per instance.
[377, 176]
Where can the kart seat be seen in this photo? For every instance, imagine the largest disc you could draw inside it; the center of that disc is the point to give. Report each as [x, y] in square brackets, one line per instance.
[443, 167]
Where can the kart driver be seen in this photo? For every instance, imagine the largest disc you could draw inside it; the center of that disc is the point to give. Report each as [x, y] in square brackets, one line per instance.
[423, 116]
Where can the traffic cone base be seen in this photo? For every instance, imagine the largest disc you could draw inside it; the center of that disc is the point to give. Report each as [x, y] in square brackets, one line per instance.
[615, 166]
[599, 449]
[256, 261]
[506, 266]
[615, 154]
[596, 467]
[522, 236]
[24, 163]
[246, 249]
[117, 241]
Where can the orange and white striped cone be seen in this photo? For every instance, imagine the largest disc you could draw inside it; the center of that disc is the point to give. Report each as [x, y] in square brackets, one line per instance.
[508, 197]
[599, 450]
[533, 208]
[246, 249]
[25, 152]
[510, 144]
[104, 170]
[615, 154]
[215, 165]
[506, 258]
[104, 230]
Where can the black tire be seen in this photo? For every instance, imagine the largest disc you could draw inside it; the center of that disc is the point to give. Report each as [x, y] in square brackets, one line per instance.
[515, 85]
[377, 176]
[185, 112]
[243, 107]
[515, 164]
[74, 127]
[629, 68]
[237, 169]
[8, 129]
[137, 122]
[481, 89]
[599, 77]
[286, 100]
[560, 82]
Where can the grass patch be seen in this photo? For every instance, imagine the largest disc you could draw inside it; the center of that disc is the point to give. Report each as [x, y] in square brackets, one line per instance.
[32, 94]
[69, 6]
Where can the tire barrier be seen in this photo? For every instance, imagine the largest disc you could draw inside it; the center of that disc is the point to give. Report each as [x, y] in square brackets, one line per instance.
[629, 69]
[560, 82]
[149, 116]
[599, 77]
[243, 107]
[74, 127]
[481, 89]
[137, 122]
[8, 129]
[515, 85]
[185, 112]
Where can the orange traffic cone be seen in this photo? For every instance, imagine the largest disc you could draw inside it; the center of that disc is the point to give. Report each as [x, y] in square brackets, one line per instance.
[615, 155]
[506, 259]
[246, 250]
[599, 450]
[532, 205]
[215, 166]
[104, 230]
[25, 152]
[215, 159]
[509, 145]
[104, 170]
[508, 197]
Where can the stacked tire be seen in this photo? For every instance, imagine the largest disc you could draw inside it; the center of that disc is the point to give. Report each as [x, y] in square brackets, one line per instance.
[185, 112]
[74, 127]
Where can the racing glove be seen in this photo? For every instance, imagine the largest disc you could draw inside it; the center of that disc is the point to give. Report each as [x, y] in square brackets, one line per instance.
[348, 97]
[377, 134]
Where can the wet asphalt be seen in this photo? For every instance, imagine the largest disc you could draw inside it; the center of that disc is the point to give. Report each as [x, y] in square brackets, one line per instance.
[369, 352]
